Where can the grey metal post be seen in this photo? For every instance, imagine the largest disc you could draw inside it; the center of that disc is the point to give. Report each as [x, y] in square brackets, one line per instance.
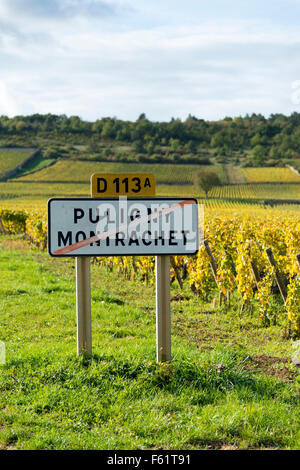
[163, 311]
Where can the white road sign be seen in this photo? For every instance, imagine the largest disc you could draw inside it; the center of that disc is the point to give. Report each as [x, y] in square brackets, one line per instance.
[119, 227]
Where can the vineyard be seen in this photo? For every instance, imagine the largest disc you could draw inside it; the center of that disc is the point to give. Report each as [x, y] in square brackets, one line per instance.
[180, 174]
[81, 171]
[271, 175]
[237, 241]
[9, 160]
[235, 323]
[239, 229]
[17, 194]
[257, 191]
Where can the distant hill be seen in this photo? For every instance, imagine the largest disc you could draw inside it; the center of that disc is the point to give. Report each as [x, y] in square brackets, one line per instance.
[249, 141]
[12, 159]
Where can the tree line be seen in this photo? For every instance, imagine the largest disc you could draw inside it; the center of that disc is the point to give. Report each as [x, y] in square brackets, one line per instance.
[252, 140]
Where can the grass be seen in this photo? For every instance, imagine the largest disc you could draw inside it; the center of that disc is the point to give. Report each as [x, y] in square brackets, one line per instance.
[223, 389]
[9, 160]
[81, 171]
[36, 164]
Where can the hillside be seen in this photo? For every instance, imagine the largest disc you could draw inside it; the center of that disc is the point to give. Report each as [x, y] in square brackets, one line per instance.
[81, 171]
[249, 141]
[10, 159]
[41, 179]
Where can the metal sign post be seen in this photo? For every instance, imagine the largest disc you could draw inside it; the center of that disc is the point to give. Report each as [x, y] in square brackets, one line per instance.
[163, 310]
[160, 227]
[83, 306]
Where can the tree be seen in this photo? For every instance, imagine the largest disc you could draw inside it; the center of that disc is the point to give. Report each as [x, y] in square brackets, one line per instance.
[218, 140]
[206, 180]
[108, 131]
[138, 146]
[174, 144]
[150, 147]
[258, 155]
[191, 146]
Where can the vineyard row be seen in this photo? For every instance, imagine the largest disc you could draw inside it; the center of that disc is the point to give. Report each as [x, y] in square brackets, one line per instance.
[247, 254]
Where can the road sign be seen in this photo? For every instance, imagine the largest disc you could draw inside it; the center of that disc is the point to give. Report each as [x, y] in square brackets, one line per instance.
[120, 227]
[123, 184]
[103, 186]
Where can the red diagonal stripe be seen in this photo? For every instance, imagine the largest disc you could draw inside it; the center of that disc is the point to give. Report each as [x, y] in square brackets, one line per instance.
[87, 241]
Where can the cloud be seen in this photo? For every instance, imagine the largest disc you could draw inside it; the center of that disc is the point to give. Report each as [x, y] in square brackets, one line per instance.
[96, 68]
[8, 105]
[58, 9]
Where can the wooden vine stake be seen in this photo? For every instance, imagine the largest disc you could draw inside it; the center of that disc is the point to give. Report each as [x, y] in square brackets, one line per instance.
[278, 275]
[298, 259]
[213, 264]
[2, 229]
[255, 272]
[176, 271]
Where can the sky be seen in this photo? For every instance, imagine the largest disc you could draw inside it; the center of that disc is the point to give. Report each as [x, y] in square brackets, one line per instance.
[167, 58]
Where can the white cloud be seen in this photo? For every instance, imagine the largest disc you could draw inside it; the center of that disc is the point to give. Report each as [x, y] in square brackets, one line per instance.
[57, 9]
[8, 105]
[95, 69]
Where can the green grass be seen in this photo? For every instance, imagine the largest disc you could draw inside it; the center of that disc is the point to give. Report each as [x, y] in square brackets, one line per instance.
[9, 160]
[222, 389]
[36, 164]
[81, 171]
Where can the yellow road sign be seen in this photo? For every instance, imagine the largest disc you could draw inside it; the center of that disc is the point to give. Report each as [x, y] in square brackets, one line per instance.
[122, 184]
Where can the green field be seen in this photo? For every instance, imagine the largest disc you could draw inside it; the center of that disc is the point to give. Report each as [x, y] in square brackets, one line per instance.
[81, 171]
[10, 159]
[230, 385]
[42, 179]
[270, 175]
[26, 194]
